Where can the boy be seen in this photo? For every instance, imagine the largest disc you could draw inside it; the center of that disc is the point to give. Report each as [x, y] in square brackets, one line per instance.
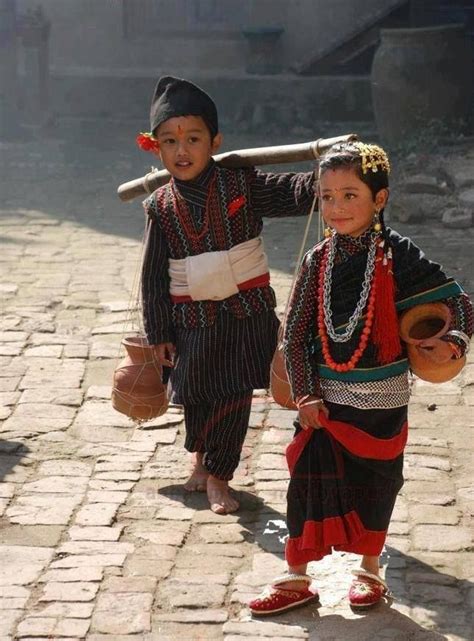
[207, 302]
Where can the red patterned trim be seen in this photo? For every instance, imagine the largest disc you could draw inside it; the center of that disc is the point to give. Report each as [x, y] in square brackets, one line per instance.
[345, 533]
[353, 439]
[259, 281]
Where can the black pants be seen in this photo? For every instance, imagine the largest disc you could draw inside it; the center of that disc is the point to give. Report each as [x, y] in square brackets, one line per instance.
[217, 429]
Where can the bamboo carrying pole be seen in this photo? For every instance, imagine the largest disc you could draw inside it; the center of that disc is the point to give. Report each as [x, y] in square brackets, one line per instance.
[240, 158]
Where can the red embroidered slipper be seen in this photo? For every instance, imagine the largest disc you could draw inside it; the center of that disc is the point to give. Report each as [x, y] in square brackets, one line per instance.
[274, 599]
[366, 590]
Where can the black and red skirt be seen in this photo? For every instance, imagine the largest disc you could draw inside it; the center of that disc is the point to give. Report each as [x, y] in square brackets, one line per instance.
[344, 481]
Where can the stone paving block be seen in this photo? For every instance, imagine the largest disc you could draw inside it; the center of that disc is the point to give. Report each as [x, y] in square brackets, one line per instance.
[64, 610]
[101, 496]
[52, 396]
[169, 534]
[8, 622]
[95, 533]
[101, 413]
[184, 594]
[65, 467]
[131, 614]
[96, 547]
[44, 351]
[74, 485]
[96, 514]
[99, 392]
[11, 349]
[9, 384]
[43, 509]
[9, 398]
[31, 535]
[264, 629]
[194, 616]
[441, 515]
[84, 574]
[110, 486]
[29, 425]
[145, 566]
[159, 437]
[441, 538]
[130, 584]
[7, 490]
[77, 591]
[45, 411]
[76, 350]
[13, 603]
[228, 533]
[21, 565]
[89, 560]
[100, 433]
[51, 627]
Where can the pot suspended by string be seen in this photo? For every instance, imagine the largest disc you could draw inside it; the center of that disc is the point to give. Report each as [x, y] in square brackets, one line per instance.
[431, 320]
[138, 390]
[279, 384]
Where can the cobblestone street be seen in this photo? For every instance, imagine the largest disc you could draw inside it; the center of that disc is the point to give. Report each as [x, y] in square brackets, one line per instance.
[98, 540]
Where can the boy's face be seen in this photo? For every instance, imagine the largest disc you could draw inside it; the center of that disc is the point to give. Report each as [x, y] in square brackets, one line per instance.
[186, 146]
[346, 203]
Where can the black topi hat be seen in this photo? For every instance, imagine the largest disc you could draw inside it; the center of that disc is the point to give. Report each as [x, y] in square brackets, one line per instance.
[176, 97]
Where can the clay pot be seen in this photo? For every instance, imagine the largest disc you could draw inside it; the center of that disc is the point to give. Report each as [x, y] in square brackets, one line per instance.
[138, 390]
[279, 384]
[430, 320]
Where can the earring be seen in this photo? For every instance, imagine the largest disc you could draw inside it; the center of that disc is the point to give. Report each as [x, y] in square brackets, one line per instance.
[327, 232]
[376, 225]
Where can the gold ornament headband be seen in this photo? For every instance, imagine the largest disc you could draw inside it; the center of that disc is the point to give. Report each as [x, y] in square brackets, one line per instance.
[373, 157]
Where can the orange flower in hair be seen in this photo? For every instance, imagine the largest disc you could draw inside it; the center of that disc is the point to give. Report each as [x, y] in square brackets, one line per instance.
[147, 142]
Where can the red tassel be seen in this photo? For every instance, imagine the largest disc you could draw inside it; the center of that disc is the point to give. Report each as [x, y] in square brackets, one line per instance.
[385, 331]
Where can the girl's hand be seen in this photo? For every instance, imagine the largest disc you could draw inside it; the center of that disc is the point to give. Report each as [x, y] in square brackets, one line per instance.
[164, 354]
[309, 413]
[435, 350]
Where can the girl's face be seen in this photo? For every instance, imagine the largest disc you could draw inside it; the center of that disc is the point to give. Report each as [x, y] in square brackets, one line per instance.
[346, 203]
[186, 146]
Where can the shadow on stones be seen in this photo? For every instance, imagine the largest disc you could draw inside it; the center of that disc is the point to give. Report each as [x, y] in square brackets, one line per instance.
[11, 453]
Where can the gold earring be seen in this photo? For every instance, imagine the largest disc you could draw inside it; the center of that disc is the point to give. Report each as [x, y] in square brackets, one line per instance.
[327, 232]
[377, 226]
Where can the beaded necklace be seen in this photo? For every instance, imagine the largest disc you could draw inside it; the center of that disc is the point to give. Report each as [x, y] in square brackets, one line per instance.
[367, 298]
[184, 215]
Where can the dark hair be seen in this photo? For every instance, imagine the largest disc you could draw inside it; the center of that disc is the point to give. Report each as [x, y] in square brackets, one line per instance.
[347, 155]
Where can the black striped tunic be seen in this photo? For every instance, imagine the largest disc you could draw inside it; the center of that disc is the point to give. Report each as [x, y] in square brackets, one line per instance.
[222, 347]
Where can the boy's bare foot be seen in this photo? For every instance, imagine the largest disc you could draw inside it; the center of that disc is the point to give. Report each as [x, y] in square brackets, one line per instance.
[197, 482]
[218, 493]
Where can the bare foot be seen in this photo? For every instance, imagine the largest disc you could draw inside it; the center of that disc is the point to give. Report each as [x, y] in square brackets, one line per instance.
[197, 482]
[218, 493]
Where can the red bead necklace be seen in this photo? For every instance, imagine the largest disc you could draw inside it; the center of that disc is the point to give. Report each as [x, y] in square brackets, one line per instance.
[369, 320]
[185, 217]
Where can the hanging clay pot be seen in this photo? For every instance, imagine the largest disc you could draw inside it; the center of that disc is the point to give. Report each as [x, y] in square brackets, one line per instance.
[279, 384]
[138, 390]
[419, 323]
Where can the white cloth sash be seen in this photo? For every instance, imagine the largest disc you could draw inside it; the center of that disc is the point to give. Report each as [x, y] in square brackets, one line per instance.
[216, 275]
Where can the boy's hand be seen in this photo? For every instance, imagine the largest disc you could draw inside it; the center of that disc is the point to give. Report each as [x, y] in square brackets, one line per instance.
[309, 414]
[164, 354]
[435, 350]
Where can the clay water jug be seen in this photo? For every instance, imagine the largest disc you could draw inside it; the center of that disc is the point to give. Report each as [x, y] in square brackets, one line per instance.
[430, 320]
[138, 390]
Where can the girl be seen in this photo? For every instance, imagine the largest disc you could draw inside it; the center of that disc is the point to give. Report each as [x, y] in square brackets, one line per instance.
[349, 376]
